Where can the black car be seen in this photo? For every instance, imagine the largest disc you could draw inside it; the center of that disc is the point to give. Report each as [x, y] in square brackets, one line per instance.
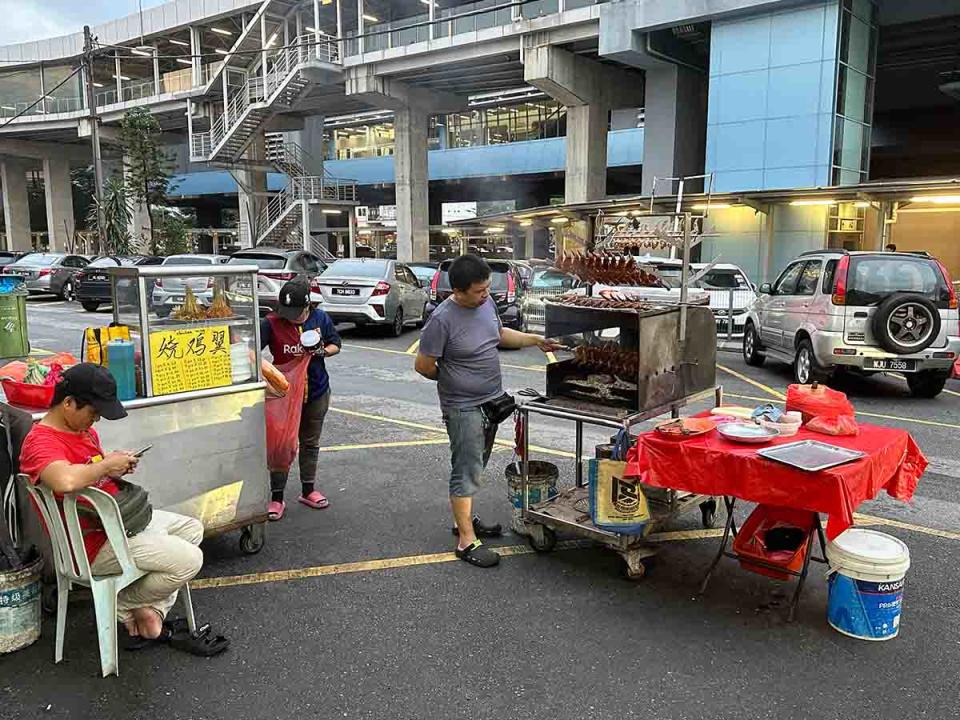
[93, 282]
[506, 289]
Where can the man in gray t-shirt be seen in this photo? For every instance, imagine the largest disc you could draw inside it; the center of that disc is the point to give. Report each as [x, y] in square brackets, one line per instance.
[459, 350]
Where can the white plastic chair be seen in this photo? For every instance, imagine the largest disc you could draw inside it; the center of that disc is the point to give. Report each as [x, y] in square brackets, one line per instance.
[73, 568]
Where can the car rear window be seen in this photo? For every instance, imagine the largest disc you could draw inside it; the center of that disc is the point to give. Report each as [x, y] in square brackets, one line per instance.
[552, 279]
[264, 262]
[38, 259]
[187, 261]
[498, 278]
[724, 280]
[871, 279]
[108, 262]
[356, 268]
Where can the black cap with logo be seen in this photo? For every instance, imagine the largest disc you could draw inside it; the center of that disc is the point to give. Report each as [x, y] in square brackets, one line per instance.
[95, 385]
[293, 300]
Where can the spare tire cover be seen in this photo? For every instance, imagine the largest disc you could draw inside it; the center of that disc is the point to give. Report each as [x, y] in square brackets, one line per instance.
[906, 323]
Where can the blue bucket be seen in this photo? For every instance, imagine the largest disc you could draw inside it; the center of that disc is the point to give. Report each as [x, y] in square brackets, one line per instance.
[867, 573]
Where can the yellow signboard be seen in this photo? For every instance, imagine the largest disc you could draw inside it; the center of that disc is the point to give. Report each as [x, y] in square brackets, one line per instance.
[183, 359]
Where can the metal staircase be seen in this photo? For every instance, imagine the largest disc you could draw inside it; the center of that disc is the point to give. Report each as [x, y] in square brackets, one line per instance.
[273, 82]
[281, 223]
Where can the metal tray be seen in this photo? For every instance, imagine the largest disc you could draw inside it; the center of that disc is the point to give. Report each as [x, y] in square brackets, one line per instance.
[810, 455]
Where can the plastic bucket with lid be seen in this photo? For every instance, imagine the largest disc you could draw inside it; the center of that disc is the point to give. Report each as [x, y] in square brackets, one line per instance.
[20, 607]
[867, 571]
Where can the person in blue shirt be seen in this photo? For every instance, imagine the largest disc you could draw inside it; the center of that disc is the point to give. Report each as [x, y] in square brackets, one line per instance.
[281, 331]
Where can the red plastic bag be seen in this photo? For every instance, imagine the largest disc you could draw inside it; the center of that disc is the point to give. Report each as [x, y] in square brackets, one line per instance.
[839, 425]
[283, 416]
[817, 401]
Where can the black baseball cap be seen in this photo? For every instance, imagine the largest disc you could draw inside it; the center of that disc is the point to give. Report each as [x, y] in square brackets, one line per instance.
[293, 300]
[95, 385]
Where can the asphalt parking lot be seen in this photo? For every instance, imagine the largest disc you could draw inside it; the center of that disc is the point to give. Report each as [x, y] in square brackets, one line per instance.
[361, 610]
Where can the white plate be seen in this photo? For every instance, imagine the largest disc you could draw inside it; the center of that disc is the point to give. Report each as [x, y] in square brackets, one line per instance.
[739, 432]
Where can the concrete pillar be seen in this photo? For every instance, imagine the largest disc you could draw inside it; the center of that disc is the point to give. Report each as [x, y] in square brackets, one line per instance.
[586, 174]
[59, 194]
[16, 203]
[529, 242]
[252, 193]
[675, 126]
[311, 140]
[410, 163]
[140, 227]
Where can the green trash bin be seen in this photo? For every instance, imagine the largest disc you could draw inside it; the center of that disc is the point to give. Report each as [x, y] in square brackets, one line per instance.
[14, 340]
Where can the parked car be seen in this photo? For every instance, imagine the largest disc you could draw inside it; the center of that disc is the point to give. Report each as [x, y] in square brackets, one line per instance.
[867, 312]
[372, 292]
[423, 271]
[549, 283]
[731, 293]
[8, 258]
[51, 273]
[168, 293]
[526, 272]
[506, 289]
[93, 282]
[277, 266]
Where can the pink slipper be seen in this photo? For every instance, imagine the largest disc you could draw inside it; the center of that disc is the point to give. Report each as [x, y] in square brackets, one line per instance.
[316, 500]
[275, 510]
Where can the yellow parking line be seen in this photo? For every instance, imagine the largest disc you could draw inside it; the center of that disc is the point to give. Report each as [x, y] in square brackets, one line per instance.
[874, 520]
[760, 385]
[898, 376]
[377, 446]
[412, 350]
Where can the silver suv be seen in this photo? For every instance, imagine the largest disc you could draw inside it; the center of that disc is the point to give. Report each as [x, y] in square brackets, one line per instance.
[862, 311]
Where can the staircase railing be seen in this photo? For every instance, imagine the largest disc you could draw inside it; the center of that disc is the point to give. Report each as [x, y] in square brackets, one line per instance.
[265, 89]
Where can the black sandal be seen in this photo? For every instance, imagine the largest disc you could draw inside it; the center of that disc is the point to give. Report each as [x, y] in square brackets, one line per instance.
[170, 628]
[476, 554]
[481, 529]
[202, 642]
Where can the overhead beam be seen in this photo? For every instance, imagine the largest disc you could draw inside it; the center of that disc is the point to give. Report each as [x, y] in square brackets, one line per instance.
[35, 150]
[575, 80]
[363, 83]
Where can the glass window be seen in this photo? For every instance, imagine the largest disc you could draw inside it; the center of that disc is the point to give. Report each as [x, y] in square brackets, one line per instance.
[855, 95]
[873, 278]
[310, 263]
[724, 280]
[41, 259]
[858, 44]
[187, 260]
[787, 282]
[828, 277]
[851, 145]
[809, 278]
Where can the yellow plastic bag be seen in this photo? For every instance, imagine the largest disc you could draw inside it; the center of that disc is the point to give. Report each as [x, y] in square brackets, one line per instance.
[95, 342]
[616, 504]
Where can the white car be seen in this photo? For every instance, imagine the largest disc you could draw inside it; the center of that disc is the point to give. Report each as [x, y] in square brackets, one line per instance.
[731, 294]
[170, 292]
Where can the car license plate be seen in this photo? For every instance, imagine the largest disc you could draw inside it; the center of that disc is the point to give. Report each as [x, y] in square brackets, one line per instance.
[897, 365]
[345, 291]
[97, 278]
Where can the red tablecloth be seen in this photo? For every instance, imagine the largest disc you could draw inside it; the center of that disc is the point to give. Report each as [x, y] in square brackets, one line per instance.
[712, 465]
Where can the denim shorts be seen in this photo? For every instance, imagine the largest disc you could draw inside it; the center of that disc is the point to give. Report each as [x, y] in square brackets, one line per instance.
[471, 442]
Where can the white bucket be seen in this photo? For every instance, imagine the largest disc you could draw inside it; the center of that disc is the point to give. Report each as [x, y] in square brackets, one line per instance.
[867, 571]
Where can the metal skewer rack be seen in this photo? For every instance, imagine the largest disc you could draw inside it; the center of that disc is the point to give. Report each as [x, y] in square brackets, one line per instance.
[663, 358]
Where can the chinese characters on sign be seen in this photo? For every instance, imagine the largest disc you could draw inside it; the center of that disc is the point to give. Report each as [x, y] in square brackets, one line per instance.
[196, 359]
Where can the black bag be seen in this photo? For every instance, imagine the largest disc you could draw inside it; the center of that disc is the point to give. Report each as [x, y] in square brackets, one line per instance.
[499, 409]
[135, 508]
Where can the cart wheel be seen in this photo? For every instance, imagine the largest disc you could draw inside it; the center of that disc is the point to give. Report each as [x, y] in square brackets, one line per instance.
[48, 598]
[633, 569]
[542, 539]
[708, 513]
[252, 539]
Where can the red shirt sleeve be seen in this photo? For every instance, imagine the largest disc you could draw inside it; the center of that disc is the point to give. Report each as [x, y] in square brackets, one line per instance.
[38, 451]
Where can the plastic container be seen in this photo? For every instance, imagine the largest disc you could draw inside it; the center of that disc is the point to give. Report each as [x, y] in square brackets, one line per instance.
[867, 572]
[241, 369]
[121, 356]
[26, 395]
[789, 425]
[541, 485]
[20, 607]
[751, 541]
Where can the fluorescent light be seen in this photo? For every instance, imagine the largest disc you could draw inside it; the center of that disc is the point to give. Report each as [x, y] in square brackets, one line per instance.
[331, 212]
[861, 204]
[221, 51]
[142, 53]
[560, 221]
[221, 31]
[711, 206]
[801, 203]
[7, 107]
[938, 199]
[96, 84]
[122, 77]
[310, 29]
[371, 18]
[181, 43]
[526, 223]
[450, 231]
[271, 41]
[184, 62]
[494, 229]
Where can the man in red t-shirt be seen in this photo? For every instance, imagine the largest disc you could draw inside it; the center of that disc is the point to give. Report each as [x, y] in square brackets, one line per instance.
[63, 452]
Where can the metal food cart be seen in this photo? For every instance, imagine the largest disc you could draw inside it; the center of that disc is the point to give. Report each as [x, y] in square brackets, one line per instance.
[200, 395]
[640, 353]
